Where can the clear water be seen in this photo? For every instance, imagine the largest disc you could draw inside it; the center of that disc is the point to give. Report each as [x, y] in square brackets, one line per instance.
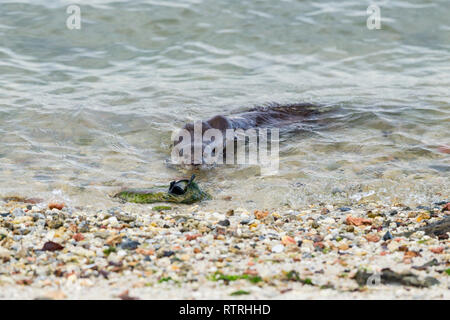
[86, 112]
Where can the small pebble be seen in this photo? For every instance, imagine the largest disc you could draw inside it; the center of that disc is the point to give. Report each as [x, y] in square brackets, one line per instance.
[387, 236]
[129, 245]
[278, 248]
[224, 223]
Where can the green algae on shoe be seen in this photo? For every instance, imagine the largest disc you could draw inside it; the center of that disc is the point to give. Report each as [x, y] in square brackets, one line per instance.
[191, 193]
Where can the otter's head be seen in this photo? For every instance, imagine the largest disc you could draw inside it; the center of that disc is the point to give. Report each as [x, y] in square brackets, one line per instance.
[200, 142]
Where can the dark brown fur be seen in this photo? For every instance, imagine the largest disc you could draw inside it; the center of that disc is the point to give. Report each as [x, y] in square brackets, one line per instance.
[270, 116]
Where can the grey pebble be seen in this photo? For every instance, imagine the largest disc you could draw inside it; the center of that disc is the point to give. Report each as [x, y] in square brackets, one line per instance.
[129, 245]
[387, 236]
[224, 223]
[18, 212]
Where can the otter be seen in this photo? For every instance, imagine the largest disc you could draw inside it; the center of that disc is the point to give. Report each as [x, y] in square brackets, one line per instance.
[282, 116]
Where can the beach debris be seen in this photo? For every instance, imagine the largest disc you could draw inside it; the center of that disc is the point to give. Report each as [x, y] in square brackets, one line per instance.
[439, 228]
[181, 191]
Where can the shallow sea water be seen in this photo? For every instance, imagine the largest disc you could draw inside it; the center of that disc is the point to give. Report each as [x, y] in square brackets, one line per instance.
[86, 112]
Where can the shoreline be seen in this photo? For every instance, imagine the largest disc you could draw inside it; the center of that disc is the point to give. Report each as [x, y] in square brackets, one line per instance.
[194, 252]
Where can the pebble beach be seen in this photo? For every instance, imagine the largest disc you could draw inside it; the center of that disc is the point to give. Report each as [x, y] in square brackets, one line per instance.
[357, 208]
[136, 251]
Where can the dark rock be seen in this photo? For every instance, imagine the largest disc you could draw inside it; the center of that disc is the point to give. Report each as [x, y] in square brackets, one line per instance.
[129, 245]
[440, 203]
[388, 276]
[441, 168]
[18, 212]
[52, 246]
[387, 236]
[438, 229]
[168, 253]
[224, 223]
[423, 207]
[246, 221]
[343, 209]
[431, 263]
[299, 243]
[4, 214]
[443, 236]
[393, 212]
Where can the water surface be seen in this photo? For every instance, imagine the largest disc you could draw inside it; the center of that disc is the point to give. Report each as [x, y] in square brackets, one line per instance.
[85, 112]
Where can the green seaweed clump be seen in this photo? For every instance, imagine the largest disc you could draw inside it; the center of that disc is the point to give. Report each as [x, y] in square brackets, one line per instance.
[239, 293]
